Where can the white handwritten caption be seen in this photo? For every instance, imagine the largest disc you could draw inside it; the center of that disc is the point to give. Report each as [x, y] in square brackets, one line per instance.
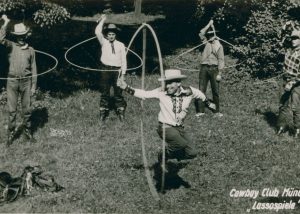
[269, 192]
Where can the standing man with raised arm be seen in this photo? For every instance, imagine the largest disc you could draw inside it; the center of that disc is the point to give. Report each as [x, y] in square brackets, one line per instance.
[113, 59]
[22, 78]
[174, 102]
[212, 65]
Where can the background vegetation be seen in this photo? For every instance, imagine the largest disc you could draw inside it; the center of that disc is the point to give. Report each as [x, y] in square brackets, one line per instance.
[100, 165]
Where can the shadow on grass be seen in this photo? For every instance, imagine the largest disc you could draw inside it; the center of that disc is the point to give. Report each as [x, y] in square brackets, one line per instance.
[271, 118]
[39, 117]
[172, 179]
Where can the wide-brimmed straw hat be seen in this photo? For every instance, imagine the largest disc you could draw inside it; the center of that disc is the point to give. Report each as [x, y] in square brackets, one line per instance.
[172, 74]
[20, 29]
[111, 28]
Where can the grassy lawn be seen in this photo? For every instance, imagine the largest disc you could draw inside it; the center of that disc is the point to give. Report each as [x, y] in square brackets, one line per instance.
[100, 166]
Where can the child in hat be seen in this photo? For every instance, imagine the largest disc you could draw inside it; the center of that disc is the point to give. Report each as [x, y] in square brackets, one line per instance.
[22, 78]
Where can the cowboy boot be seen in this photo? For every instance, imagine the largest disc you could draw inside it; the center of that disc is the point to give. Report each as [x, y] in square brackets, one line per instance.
[27, 136]
[10, 137]
[121, 113]
[104, 114]
[297, 133]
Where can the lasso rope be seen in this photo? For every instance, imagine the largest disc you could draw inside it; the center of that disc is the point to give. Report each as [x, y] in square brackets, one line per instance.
[193, 48]
[145, 161]
[45, 72]
[95, 69]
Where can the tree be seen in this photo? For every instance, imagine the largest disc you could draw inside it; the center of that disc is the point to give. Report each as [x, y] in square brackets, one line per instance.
[43, 12]
[137, 8]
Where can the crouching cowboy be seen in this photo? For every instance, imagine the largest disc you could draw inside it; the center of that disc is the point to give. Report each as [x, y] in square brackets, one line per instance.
[21, 78]
[174, 102]
[289, 110]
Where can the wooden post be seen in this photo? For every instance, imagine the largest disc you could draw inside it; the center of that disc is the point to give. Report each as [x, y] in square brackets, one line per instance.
[137, 8]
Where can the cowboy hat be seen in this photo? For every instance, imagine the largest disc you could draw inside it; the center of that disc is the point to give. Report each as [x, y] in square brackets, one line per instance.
[20, 29]
[172, 74]
[111, 28]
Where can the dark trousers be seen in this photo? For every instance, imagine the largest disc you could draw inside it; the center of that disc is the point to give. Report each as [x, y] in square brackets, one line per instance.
[16, 88]
[109, 79]
[289, 110]
[208, 73]
[179, 145]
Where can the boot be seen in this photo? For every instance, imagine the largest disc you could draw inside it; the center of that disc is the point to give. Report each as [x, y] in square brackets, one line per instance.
[10, 138]
[280, 130]
[121, 113]
[297, 133]
[104, 114]
[27, 136]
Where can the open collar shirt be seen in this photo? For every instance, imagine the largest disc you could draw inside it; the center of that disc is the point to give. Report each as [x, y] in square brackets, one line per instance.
[114, 54]
[173, 109]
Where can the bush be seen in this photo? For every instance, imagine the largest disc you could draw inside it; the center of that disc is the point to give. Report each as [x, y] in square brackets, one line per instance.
[44, 13]
[257, 27]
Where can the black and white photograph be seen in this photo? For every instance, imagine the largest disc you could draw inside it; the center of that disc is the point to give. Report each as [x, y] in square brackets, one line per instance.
[150, 106]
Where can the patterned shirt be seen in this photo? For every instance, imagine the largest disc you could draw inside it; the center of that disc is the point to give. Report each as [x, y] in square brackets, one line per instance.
[173, 109]
[292, 63]
[21, 58]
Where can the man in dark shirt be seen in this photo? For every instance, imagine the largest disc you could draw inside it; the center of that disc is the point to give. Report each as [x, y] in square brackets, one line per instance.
[22, 78]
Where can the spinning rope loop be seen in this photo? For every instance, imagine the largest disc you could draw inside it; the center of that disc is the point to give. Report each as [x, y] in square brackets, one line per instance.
[40, 74]
[145, 161]
[197, 46]
[95, 69]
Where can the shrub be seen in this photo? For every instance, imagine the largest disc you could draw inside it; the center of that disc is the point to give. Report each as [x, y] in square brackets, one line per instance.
[44, 13]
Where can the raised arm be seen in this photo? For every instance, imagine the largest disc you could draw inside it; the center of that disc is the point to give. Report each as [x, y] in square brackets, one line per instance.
[99, 28]
[3, 29]
[204, 30]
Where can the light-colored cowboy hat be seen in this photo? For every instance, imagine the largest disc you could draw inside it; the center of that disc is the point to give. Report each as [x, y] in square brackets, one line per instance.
[111, 28]
[20, 29]
[172, 74]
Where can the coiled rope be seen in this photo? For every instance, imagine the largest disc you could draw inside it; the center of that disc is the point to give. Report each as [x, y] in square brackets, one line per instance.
[95, 69]
[40, 74]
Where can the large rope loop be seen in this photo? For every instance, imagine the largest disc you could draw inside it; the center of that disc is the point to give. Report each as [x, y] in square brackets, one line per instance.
[40, 74]
[95, 69]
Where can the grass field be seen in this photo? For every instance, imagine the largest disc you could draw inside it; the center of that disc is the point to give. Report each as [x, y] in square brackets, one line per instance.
[100, 166]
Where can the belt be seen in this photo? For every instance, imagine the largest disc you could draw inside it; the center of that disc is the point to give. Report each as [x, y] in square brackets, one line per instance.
[168, 125]
[20, 77]
[111, 67]
[209, 65]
